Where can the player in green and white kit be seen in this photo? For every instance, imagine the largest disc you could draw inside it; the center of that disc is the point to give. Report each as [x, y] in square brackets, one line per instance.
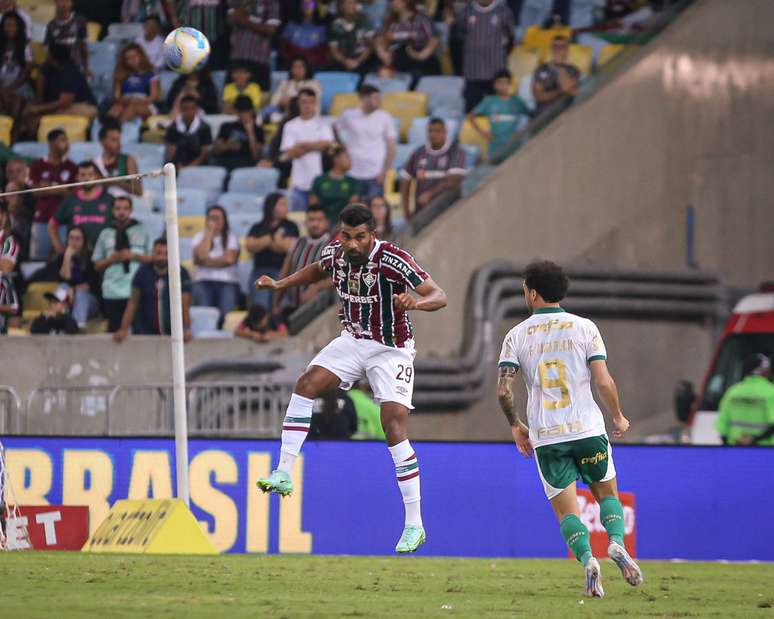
[559, 354]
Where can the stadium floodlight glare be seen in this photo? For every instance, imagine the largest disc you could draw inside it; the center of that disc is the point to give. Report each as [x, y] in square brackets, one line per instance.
[175, 306]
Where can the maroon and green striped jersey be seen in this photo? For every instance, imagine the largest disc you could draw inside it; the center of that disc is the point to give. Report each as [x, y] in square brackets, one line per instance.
[366, 291]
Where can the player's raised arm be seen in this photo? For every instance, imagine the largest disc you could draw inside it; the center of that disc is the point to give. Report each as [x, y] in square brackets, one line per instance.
[432, 298]
[609, 393]
[310, 274]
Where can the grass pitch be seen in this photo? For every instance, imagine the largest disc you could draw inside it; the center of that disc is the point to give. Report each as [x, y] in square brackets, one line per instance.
[81, 585]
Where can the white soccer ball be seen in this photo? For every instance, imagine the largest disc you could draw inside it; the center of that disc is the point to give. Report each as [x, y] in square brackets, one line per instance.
[186, 50]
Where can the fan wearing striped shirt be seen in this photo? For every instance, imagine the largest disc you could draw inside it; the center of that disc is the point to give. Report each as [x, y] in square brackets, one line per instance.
[372, 279]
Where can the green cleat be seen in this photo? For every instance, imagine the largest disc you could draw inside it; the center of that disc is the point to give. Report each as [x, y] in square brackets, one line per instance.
[278, 482]
[413, 537]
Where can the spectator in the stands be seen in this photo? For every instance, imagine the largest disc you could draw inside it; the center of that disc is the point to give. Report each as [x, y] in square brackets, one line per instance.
[253, 26]
[556, 78]
[335, 189]
[259, 326]
[112, 162]
[56, 320]
[333, 416]
[135, 86]
[9, 302]
[487, 29]
[215, 254]
[241, 85]
[305, 251]
[10, 247]
[198, 85]
[239, 142]
[16, 67]
[68, 29]
[22, 207]
[62, 89]
[148, 310]
[746, 410]
[120, 250]
[90, 207]
[370, 136]
[6, 6]
[307, 37]
[408, 42]
[303, 141]
[152, 41]
[188, 138]
[140, 10]
[269, 241]
[301, 77]
[438, 166]
[381, 212]
[76, 270]
[54, 169]
[351, 40]
[505, 112]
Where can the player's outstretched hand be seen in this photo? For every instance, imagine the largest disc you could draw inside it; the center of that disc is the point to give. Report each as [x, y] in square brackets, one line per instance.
[521, 438]
[621, 425]
[404, 301]
[264, 281]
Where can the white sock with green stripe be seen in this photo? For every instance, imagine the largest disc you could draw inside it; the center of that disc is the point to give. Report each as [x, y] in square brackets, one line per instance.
[407, 472]
[295, 427]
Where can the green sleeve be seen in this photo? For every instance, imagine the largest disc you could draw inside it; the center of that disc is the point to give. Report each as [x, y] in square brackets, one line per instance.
[64, 212]
[482, 109]
[721, 423]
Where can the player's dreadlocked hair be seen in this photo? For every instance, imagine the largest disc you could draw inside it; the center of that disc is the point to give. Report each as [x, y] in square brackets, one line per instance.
[547, 279]
[357, 214]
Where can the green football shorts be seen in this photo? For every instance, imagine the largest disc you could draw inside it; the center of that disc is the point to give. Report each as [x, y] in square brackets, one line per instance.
[561, 464]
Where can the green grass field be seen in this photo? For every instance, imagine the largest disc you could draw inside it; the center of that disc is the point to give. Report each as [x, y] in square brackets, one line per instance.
[75, 585]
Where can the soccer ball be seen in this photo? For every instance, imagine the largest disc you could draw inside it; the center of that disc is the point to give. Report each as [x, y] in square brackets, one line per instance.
[186, 50]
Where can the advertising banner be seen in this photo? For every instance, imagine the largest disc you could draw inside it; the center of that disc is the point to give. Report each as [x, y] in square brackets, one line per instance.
[51, 527]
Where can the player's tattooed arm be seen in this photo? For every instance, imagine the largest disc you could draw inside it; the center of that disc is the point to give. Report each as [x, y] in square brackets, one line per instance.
[505, 392]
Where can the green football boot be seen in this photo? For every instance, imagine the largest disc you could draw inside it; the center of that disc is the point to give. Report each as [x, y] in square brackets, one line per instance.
[278, 482]
[413, 537]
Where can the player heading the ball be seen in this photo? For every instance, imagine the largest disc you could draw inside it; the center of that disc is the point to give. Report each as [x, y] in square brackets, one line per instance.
[372, 279]
[560, 354]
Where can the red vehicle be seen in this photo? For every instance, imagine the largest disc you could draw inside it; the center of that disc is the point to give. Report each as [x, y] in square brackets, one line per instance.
[750, 329]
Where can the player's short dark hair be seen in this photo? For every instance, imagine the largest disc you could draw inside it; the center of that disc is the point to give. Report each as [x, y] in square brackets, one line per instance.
[55, 134]
[356, 215]
[243, 103]
[162, 240]
[502, 73]
[189, 99]
[307, 92]
[547, 279]
[436, 120]
[367, 90]
[88, 163]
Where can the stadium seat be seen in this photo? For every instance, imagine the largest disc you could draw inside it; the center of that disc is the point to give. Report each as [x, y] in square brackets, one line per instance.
[166, 79]
[74, 126]
[334, 82]
[102, 59]
[144, 203]
[155, 128]
[540, 38]
[525, 91]
[28, 268]
[120, 31]
[344, 101]
[240, 223]
[400, 82]
[153, 222]
[190, 225]
[579, 55]
[534, 12]
[608, 52]
[148, 156]
[34, 298]
[82, 151]
[186, 252]
[216, 120]
[469, 135]
[6, 124]
[219, 79]
[40, 12]
[204, 319]
[402, 154]
[259, 181]
[391, 194]
[93, 30]
[406, 106]
[418, 131]
[191, 201]
[209, 178]
[276, 78]
[472, 155]
[242, 203]
[233, 319]
[39, 53]
[441, 88]
[130, 131]
[245, 268]
[522, 61]
[35, 150]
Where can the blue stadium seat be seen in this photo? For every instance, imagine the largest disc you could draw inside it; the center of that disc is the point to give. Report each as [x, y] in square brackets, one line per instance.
[186, 248]
[149, 156]
[245, 275]
[166, 79]
[418, 130]
[209, 178]
[259, 181]
[191, 201]
[525, 91]
[204, 319]
[375, 11]
[402, 154]
[36, 150]
[130, 131]
[448, 106]
[81, 151]
[216, 120]
[334, 82]
[399, 82]
[120, 31]
[153, 222]
[441, 88]
[237, 203]
[276, 78]
[472, 154]
[240, 223]
[219, 79]
[102, 57]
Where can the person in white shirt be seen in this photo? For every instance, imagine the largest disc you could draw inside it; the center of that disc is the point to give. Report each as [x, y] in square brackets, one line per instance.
[152, 42]
[370, 137]
[303, 140]
[215, 254]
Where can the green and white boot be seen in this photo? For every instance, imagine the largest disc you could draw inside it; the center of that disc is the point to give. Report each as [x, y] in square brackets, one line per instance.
[413, 537]
[278, 482]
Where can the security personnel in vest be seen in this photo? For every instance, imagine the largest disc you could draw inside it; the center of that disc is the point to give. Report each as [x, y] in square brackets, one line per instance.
[746, 411]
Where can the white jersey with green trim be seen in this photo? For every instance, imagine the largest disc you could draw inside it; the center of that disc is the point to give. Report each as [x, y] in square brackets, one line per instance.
[553, 350]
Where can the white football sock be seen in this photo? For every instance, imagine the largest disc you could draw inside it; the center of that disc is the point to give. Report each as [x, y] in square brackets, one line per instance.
[295, 427]
[407, 472]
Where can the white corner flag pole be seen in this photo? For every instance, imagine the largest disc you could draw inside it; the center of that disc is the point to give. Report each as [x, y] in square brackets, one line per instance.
[176, 316]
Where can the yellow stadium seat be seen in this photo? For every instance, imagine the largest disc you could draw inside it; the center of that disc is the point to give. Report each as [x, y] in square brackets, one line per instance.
[74, 126]
[469, 135]
[299, 218]
[156, 127]
[581, 56]
[343, 101]
[406, 106]
[6, 124]
[190, 225]
[188, 265]
[608, 52]
[269, 129]
[39, 52]
[93, 30]
[522, 61]
[35, 300]
[540, 38]
[233, 319]
[391, 195]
